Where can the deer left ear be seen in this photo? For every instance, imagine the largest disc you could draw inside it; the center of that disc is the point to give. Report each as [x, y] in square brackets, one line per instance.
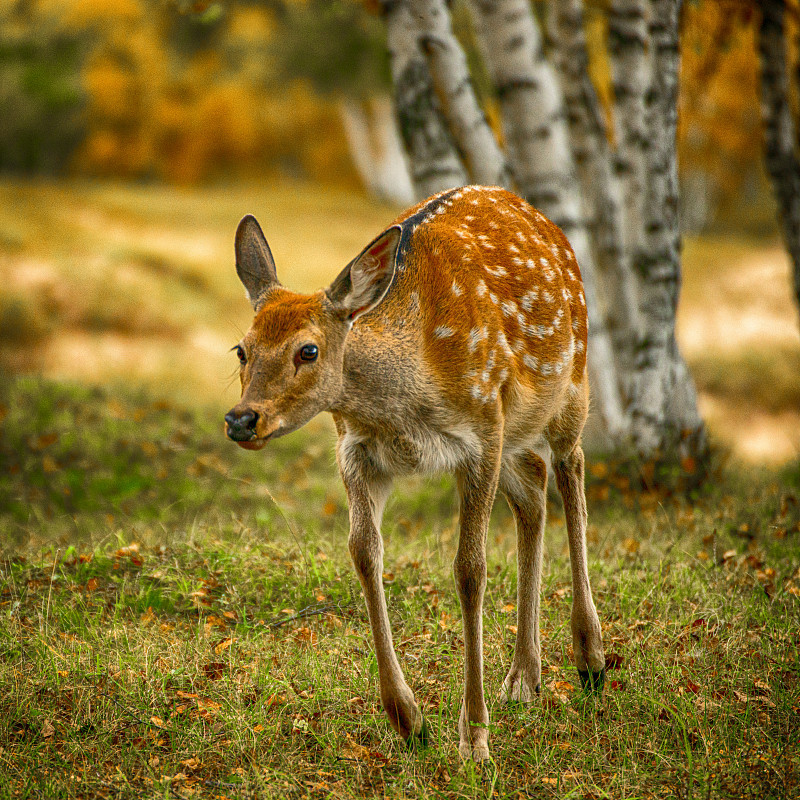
[364, 282]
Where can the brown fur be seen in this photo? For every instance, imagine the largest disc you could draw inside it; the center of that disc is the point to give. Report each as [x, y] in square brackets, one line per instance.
[467, 353]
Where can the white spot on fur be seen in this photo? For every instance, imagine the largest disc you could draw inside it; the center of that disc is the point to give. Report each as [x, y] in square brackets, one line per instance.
[493, 297]
[476, 335]
[498, 271]
[480, 288]
[529, 298]
[509, 308]
[531, 361]
[503, 342]
[443, 332]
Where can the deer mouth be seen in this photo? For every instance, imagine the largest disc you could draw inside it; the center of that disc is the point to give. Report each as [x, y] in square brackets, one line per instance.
[257, 442]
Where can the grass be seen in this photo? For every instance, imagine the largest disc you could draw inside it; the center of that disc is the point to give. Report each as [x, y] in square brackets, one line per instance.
[179, 618]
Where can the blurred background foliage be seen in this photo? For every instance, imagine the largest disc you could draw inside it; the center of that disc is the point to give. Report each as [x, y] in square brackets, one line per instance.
[156, 90]
[186, 92]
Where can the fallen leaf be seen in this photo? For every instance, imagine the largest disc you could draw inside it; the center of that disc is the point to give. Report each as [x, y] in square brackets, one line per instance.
[47, 729]
[305, 636]
[223, 645]
[214, 670]
[614, 661]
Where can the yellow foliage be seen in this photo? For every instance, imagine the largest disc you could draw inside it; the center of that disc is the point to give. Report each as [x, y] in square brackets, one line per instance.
[719, 128]
[185, 118]
[250, 25]
[83, 13]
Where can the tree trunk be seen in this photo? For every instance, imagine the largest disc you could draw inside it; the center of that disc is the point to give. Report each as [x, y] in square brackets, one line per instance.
[376, 149]
[631, 68]
[779, 128]
[434, 162]
[473, 137]
[665, 420]
[537, 141]
[602, 190]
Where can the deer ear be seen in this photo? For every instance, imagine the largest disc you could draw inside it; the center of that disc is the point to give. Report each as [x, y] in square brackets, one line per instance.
[254, 263]
[364, 282]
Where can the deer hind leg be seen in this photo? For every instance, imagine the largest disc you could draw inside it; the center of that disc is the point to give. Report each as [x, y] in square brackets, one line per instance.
[477, 489]
[367, 497]
[587, 640]
[524, 485]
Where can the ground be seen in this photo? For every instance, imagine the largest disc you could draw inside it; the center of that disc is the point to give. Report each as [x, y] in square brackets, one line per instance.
[179, 618]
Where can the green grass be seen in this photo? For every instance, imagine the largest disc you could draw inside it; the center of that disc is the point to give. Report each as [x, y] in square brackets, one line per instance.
[179, 618]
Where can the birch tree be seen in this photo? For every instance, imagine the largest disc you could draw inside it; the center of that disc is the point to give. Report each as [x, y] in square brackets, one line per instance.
[617, 205]
[780, 132]
[434, 162]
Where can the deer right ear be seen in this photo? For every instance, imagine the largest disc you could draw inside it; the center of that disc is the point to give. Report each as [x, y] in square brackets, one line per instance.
[364, 282]
[254, 263]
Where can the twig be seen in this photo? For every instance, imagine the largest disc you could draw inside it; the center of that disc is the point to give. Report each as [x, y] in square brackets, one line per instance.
[308, 611]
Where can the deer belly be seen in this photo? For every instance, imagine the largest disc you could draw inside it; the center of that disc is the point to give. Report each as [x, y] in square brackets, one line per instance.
[424, 450]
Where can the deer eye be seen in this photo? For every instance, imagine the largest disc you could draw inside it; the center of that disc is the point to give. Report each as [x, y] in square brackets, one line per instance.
[308, 352]
[240, 354]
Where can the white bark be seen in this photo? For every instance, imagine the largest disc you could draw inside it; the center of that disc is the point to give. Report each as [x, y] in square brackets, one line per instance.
[665, 419]
[376, 149]
[434, 162]
[538, 145]
[779, 128]
[631, 70]
[474, 139]
[602, 190]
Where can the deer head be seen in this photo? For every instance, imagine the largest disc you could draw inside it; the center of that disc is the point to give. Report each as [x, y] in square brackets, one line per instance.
[291, 359]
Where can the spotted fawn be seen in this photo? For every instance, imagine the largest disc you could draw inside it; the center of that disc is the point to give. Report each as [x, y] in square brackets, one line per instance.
[456, 342]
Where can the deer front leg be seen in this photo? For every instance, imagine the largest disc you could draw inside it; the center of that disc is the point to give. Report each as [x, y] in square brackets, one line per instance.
[587, 639]
[366, 500]
[477, 489]
[524, 486]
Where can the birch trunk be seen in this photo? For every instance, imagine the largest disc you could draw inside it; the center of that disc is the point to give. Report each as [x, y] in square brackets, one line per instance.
[665, 419]
[434, 162]
[631, 68]
[376, 150]
[602, 190]
[473, 137]
[537, 141]
[779, 128]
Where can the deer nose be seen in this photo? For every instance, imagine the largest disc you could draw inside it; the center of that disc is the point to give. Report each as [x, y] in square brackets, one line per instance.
[241, 427]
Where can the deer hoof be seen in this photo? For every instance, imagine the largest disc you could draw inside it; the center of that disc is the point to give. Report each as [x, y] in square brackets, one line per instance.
[592, 681]
[516, 689]
[473, 752]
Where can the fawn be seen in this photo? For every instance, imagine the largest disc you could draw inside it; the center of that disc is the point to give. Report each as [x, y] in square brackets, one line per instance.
[455, 341]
